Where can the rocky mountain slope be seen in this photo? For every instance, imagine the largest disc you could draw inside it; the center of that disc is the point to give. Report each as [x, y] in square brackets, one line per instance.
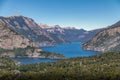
[30, 29]
[13, 44]
[106, 40]
[27, 27]
[70, 34]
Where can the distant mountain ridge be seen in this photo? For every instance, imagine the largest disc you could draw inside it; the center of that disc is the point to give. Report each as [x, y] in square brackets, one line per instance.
[70, 34]
[106, 40]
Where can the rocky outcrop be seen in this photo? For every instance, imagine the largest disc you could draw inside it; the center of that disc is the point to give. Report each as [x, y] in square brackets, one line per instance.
[106, 40]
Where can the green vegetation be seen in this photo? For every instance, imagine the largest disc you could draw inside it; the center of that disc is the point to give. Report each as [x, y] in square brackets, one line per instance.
[116, 48]
[100, 67]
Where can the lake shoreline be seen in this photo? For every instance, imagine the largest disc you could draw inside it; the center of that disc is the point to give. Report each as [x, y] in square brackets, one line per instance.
[69, 50]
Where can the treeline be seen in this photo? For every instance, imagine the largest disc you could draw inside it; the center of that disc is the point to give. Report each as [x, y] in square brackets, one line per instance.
[104, 66]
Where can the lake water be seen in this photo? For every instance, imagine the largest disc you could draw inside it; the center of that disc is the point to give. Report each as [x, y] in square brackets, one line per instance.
[69, 50]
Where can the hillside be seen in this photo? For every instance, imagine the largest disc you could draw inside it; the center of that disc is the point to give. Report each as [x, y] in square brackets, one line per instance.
[13, 44]
[11, 40]
[106, 40]
[27, 27]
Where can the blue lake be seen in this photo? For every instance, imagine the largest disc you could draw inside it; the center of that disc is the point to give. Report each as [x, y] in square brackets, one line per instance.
[69, 50]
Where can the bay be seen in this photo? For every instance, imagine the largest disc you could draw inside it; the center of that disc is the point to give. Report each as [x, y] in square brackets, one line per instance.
[69, 50]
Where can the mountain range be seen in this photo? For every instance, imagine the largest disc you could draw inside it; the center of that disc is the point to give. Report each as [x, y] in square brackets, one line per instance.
[104, 39]
[70, 34]
[45, 35]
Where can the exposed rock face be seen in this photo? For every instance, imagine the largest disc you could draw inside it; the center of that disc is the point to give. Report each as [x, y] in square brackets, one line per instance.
[27, 27]
[106, 40]
[11, 40]
[70, 34]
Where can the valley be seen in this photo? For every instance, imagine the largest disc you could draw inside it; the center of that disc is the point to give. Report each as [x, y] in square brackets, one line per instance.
[21, 36]
[59, 39]
[39, 52]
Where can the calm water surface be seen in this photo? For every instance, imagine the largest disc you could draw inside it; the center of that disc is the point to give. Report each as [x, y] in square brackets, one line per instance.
[69, 50]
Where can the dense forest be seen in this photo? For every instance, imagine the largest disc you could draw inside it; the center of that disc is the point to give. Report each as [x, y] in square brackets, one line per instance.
[105, 66]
